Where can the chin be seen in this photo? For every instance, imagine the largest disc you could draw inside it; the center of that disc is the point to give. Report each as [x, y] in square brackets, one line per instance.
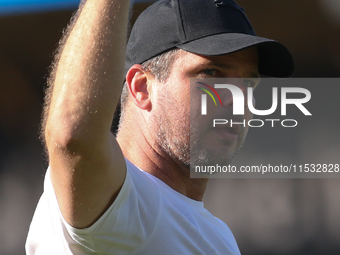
[206, 157]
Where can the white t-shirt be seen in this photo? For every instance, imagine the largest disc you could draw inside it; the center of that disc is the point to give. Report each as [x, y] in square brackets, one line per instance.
[148, 217]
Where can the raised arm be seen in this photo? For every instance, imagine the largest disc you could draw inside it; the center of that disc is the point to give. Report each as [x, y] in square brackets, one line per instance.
[87, 165]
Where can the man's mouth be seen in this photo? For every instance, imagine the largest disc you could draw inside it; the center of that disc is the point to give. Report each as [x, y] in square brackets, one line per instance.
[228, 133]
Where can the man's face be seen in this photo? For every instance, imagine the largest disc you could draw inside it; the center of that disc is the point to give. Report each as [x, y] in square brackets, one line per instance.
[172, 108]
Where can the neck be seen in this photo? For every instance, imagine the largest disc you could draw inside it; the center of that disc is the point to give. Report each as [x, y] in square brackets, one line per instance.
[143, 151]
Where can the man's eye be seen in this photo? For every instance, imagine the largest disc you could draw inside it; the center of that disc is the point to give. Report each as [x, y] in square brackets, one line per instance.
[210, 72]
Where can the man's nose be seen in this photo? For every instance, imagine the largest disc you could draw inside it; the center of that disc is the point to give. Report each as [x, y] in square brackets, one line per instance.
[234, 92]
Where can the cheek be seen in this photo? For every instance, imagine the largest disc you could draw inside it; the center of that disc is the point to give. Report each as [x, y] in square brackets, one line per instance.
[182, 94]
[248, 115]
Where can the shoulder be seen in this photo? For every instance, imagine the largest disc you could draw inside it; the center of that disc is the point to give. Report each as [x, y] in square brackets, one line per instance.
[134, 213]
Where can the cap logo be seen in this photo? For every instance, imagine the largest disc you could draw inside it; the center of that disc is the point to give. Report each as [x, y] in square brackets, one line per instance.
[219, 3]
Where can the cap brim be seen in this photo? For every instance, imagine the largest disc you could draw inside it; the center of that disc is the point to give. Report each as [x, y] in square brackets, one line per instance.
[275, 59]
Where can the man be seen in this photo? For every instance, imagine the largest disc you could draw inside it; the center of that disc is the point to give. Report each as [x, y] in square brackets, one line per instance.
[134, 194]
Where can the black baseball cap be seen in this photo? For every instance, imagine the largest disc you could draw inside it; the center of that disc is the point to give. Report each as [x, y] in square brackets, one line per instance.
[204, 27]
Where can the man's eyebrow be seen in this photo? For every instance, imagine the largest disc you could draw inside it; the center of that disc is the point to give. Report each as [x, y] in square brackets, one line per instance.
[251, 74]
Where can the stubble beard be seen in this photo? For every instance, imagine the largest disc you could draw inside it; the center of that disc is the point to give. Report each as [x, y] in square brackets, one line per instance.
[182, 142]
[201, 155]
[173, 136]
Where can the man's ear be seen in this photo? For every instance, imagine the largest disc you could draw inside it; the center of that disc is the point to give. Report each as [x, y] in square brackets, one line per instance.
[138, 82]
